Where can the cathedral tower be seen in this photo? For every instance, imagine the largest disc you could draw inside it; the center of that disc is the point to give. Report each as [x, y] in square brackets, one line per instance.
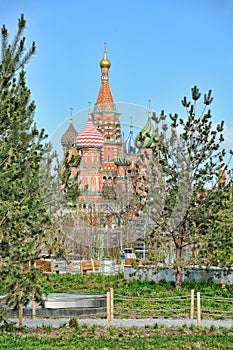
[105, 116]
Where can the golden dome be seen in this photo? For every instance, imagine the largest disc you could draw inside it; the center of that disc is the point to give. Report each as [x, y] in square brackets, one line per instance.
[105, 63]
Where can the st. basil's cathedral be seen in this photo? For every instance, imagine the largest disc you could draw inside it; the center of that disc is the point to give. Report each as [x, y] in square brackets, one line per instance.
[102, 158]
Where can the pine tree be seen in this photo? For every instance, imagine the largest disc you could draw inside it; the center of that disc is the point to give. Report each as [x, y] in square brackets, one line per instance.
[13, 56]
[24, 220]
[185, 160]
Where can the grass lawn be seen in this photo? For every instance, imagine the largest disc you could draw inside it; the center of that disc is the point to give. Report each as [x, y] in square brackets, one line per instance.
[84, 338]
[132, 297]
[135, 288]
[137, 298]
[76, 336]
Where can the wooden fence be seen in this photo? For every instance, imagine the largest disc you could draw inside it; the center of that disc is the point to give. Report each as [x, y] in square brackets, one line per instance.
[186, 306]
[124, 307]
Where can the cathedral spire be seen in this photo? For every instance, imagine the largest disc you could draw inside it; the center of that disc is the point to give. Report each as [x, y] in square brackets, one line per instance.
[105, 100]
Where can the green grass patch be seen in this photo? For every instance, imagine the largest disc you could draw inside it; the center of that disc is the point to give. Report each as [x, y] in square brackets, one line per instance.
[137, 298]
[72, 342]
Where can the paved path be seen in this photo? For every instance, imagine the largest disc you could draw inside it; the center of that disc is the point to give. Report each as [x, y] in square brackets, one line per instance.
[167, 322]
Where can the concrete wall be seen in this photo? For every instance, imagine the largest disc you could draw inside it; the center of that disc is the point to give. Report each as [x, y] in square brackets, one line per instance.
[213, 274]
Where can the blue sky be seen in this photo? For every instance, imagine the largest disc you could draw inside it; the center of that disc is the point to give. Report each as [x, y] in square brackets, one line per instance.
[159, 49]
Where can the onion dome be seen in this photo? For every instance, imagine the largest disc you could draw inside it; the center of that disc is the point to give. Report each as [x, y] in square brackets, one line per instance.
[105, 63]
[146, 137]
[122, 160]
[69, 137]
[89, 136]
[129, 144]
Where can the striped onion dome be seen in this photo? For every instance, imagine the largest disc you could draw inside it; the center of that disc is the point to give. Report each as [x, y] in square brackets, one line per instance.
[129, 144]
[69, 137]
[146, 137]
[89, 136]
[122, 160]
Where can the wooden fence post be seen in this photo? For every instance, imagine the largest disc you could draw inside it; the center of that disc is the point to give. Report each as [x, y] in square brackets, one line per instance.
[108, 307]
[111, 303]
[199, 309]
[192, 305]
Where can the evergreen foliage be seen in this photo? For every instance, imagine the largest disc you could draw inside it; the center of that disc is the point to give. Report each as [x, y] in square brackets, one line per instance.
[70, 181]
[187, 157]
[215, 224]
[24, 221]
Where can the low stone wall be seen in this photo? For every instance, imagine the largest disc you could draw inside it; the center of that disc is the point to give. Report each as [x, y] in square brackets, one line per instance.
[64, 305]
[213, 274]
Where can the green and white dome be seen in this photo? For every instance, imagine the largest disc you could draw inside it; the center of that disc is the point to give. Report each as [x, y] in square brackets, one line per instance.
[146, 137]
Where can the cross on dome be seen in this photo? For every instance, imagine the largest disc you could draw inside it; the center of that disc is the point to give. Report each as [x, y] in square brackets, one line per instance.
[71, 116]
[149, 101]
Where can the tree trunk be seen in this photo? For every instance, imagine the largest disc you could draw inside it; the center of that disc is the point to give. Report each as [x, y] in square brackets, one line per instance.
[179, 251]
[20, 310]
[20, 315]
[179, 268]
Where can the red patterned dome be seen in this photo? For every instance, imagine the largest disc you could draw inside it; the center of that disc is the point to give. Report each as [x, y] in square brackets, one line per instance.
[69, 137]
[89, 137]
